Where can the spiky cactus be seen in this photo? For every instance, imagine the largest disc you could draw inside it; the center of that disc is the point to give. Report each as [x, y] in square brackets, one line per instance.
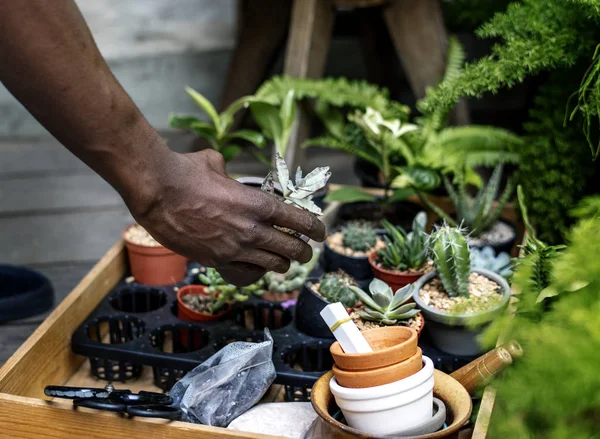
[403, 250]
[359, 236]
[452, 259]
[385, 307]
[298, 192]
[336, 287]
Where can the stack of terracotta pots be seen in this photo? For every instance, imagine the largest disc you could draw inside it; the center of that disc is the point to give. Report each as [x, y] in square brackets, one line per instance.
[389, 390]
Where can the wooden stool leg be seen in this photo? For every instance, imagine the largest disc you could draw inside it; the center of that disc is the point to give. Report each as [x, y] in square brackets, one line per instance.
[306, 53]
[419, 35]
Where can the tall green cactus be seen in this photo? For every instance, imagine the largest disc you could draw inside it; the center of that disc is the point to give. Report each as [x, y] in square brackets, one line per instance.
[452, 259]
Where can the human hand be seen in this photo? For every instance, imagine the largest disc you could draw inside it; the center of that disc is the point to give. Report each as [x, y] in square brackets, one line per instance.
[196, 210]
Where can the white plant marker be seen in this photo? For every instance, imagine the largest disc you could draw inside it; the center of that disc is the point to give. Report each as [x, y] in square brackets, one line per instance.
[344, 330]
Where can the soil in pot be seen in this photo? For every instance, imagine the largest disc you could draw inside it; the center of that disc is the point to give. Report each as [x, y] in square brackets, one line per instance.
[484, 295]
[397, 279]
[501, 237]
[338, 257]
[149, 261]
[193, 304]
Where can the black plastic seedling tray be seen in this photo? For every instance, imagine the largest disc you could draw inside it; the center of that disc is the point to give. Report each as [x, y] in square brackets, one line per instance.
[137, 325]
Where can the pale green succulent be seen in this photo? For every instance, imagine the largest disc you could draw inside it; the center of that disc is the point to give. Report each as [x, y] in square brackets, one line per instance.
[300, 191]
[383, 306]
[223, 292]
[291, 280]
[452, 259]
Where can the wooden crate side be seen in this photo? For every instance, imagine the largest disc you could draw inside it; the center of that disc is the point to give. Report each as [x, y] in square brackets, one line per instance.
[46, 357]
[30, 418]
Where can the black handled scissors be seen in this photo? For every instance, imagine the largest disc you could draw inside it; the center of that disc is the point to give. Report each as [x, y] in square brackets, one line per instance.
[145, 404]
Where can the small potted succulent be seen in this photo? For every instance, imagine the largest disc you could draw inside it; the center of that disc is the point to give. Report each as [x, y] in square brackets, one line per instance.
[281, 287]
[404, 257]
[382, 307]
[212, 300]
[316, 295]
[478, 214]
[149, 261]
[348, 249]
[458, 303]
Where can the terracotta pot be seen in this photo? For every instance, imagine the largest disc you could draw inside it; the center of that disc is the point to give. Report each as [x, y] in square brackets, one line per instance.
[362, 379]
[394, 279]
[390, 344]
[154, 265]
[186, 313]
[456, 399]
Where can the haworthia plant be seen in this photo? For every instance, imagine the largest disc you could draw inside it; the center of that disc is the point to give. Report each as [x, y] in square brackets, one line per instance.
[403, 250]
[385, 307]
[452, 259]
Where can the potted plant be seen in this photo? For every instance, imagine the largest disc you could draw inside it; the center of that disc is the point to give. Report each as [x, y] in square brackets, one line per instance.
[404, 256]
[281, 287]
[212, 300]
[316, 294]
[458, 303]
[151, 263]
[384, 308]
[348, 249]
[478, 214]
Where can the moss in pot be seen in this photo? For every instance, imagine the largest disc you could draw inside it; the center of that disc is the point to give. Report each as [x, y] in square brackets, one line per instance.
[349, 247]
[404, 256]
[382, 307]
[316, 295]
[478, 214]
[458, 303]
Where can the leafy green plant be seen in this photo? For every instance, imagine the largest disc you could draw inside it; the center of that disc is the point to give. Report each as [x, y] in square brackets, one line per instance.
[359, 236]
[298, 192]
[478, 214]
[385, 307]
[402, 250]
[223, 292]
[336, 287]
[218, 130]
[452, 259]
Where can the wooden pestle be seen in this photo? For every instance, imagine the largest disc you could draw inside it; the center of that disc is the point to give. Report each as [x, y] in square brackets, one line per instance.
[481, 370]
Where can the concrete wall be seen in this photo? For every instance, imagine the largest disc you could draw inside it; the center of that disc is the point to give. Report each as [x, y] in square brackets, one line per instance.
[155, 48]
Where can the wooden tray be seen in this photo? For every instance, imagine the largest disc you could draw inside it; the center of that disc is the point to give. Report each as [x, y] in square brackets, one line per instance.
[46, 359]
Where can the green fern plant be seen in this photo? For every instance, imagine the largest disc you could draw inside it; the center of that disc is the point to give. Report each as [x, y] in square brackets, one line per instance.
[404, 251]
[478, 214]
[452, 259]
[337, 287]
[218, 130]
[384, 306]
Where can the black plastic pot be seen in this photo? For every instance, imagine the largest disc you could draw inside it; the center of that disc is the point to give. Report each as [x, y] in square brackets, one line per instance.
[367, 173]
[308, 312]
[400, 213]
[356, 266]
[23, 293]
[503, 246]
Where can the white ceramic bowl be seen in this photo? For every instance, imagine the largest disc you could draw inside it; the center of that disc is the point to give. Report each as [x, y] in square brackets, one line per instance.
[391, 408]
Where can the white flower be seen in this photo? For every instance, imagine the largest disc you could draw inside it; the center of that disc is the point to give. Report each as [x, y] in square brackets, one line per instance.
[374, 121]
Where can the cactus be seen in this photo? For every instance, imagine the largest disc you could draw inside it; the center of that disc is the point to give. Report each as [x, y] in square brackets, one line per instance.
[291, 280]
[335, 287]
[223, 292]
[359, 236]
[385, 307]
[477, 214]
[301, 192]
[403, 250]
[452, 259]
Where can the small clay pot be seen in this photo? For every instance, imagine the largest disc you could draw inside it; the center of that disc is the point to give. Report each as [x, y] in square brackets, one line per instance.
[154, 265]
[390, 344]
[361, 379]
[186, 313]
[394, 279]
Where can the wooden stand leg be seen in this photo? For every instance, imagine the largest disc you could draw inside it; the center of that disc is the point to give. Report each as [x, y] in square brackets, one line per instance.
[419, 35]
[306, 53]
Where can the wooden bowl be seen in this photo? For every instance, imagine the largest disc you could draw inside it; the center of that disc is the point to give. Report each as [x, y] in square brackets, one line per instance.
[391, 344]
[451, 392]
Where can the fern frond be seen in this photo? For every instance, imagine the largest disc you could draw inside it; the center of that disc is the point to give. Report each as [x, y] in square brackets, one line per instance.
[334, 143]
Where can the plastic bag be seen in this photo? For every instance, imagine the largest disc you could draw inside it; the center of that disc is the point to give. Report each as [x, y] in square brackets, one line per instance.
[227, 384]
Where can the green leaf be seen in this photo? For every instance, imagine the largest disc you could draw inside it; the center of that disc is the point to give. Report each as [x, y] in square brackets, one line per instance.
[205, 104]
[250, 135]
[341, 145]
[230, 152]
[333, 118]
[401, 195]
[287, 113]
[229, 113]
[267, 118]
[182, 121]
[348, 195]
[419, 178]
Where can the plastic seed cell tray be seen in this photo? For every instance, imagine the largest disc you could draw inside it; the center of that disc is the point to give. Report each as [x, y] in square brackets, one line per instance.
[137, 325]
